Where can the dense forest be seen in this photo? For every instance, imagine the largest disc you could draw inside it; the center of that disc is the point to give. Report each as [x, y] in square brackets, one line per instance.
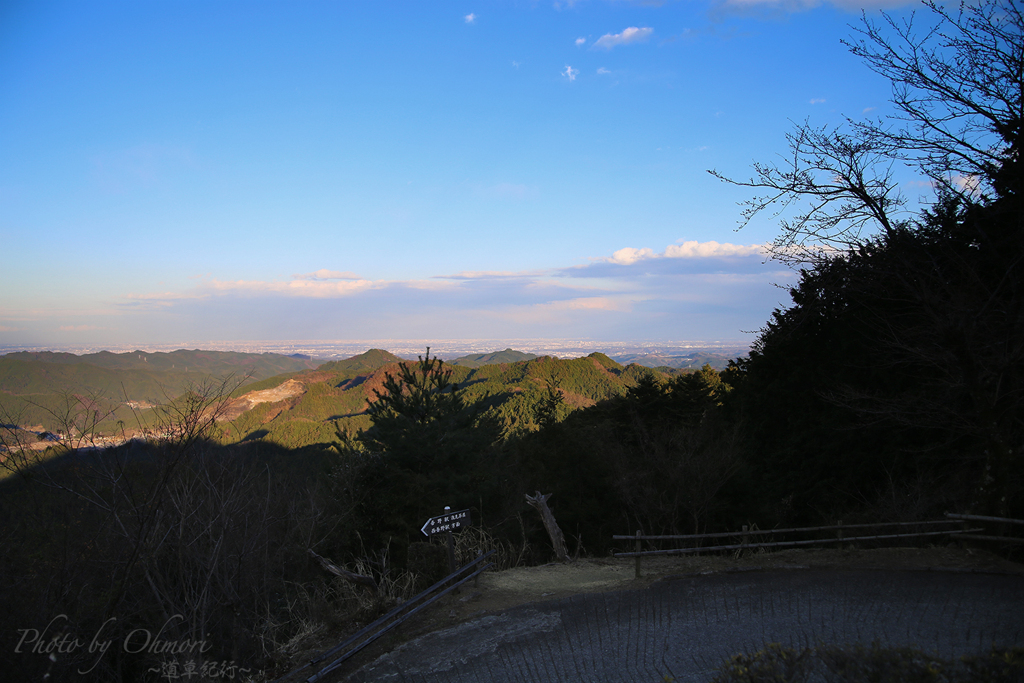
[890, 389]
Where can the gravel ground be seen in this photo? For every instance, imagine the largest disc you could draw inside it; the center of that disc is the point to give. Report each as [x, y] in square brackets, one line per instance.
[593, 620]
[686, 628]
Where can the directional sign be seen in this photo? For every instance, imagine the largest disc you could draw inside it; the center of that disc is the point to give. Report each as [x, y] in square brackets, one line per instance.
[449, 521]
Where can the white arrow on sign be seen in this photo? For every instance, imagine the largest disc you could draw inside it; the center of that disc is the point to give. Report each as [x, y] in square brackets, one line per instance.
[449, 521]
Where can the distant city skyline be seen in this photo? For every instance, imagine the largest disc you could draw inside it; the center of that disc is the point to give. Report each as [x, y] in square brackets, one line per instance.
[406, 170]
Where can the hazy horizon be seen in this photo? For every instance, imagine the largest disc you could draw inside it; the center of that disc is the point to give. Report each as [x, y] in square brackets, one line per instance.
[411, 348]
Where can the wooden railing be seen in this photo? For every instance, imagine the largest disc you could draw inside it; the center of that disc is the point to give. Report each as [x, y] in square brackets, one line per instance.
[1000, 521]
[752, 538]
[375, 630]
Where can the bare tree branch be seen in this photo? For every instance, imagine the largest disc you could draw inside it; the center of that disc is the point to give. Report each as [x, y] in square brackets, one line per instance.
[958, 88]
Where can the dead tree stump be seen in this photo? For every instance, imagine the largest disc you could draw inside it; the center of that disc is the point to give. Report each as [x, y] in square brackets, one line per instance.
[540, 503]
[365, 581]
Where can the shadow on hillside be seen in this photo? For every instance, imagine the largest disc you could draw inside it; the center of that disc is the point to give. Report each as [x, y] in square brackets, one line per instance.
[352, 383]
[339, 417]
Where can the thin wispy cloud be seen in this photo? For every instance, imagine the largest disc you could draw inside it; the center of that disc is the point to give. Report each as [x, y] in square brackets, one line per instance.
[490, 275]
[141, 166]
[324, 274]
[666, 293]
[580, 41]
[570, 72]
[339, 284]
[470, 18]
[817, 100]
[602, 71]
[295, 287]
[629, 36]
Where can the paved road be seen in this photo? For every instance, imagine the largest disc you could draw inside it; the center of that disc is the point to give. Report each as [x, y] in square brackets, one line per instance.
[687, 627]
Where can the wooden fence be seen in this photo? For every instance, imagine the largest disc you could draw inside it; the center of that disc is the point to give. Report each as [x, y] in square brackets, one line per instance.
[751, 538]
[1002, 524]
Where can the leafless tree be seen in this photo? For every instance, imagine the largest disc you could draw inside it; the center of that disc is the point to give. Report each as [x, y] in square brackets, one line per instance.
[957, 86]
[843, 183]
[958, 89]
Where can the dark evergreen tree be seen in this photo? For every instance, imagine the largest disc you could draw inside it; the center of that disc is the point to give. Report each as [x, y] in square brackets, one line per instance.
[426, 450]
[895, 375]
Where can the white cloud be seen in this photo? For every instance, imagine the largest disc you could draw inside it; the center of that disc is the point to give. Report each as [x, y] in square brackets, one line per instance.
[689, 249]
[817, 100]
[627, 37]
[570, 72]
[515, 63]
[867, 109]
[580, 41]
[470, 18]
[968, 184]
[603, 71]
[324, 274]
[628, 255]
[711, 249]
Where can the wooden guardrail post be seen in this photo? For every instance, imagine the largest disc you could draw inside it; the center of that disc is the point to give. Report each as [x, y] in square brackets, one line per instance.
[962, 542]
[638, 553]
[744, 541]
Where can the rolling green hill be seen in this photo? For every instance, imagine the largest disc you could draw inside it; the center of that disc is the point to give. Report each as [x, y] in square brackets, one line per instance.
[363, 363]
[692, 361]
[480, 359]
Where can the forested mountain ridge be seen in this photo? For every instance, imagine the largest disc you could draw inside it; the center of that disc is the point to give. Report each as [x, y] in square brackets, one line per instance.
[477, 360]
[40, 388]
[364, 362]
[140, 375]
[195, 360]
[339, 394]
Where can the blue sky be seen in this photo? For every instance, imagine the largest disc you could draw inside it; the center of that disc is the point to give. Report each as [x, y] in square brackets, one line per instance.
[341, 170]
